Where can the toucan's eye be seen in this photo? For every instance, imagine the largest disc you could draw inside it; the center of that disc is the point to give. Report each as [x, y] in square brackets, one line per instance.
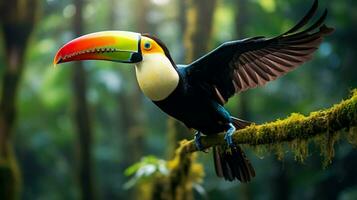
[147, 45]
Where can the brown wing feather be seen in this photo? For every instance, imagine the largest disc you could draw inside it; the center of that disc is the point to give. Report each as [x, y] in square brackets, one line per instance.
[284, 54]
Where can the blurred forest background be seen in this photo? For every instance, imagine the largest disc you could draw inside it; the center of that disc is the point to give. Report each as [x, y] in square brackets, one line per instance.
[70, 132]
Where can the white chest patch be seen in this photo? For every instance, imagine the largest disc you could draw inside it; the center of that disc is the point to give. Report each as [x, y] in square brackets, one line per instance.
[156, 76]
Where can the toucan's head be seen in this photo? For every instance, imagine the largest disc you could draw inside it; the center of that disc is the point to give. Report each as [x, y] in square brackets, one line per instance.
[117, 46]
[155, 70]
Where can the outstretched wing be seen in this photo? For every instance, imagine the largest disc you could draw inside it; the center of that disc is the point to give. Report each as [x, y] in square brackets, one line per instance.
[239, 65]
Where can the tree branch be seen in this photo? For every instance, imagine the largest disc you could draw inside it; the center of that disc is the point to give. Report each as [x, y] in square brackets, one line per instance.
[297, 129]
[296, 126]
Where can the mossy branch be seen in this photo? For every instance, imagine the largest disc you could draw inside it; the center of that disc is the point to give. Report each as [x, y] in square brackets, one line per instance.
[296, 126]
[297, 130]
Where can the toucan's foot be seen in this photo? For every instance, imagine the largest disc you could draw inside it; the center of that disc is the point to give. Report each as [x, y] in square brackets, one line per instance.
[228, 137]
[198, 143]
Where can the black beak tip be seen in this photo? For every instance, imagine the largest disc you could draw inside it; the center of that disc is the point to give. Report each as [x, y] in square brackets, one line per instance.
[136, 57]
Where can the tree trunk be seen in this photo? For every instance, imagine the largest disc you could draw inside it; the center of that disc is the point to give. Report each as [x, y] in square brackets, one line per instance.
[241, 17]
[18, 20]
[199, 27]
[199, 18]
[182, 7]
[184, 170]
[175, 130]
[132, 130]
[81, 117]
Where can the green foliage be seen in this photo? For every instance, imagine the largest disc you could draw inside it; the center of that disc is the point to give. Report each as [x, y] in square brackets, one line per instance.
[147, 169]
[172, 179]
[268, 5]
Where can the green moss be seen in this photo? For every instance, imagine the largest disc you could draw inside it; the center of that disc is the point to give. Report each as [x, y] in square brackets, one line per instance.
[279, 151]
[294, 133]
[326, 143]
[260, 150]
[300, 149]
[324, 127]
[184, 173]
[352, 136]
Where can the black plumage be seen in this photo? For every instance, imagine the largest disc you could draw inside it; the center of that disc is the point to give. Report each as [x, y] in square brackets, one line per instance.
[206, 84]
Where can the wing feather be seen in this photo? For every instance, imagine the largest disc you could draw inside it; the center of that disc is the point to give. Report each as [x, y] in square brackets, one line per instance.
[239, 65]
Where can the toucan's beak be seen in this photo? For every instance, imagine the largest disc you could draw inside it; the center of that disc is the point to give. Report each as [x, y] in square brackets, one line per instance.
[118, 46]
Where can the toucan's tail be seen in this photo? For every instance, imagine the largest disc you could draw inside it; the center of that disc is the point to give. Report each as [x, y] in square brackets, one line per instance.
[231, 163]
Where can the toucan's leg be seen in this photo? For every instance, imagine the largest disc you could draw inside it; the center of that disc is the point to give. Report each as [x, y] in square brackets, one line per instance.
[229, 134]
[226, 118]
[197, 139]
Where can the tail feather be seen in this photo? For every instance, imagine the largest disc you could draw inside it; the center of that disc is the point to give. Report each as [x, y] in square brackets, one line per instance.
[217, 161]
[232, 163]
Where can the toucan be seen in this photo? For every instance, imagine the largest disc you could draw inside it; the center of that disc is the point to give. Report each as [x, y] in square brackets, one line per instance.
[195, 94]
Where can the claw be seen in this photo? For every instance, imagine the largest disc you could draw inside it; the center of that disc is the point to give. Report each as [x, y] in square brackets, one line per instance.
[197, 139]
[198, 143]
[228, 137]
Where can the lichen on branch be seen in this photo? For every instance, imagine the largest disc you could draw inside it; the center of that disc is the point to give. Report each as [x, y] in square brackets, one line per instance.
[342, 116]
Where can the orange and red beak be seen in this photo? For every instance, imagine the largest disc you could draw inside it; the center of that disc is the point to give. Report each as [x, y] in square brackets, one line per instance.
[117, 46]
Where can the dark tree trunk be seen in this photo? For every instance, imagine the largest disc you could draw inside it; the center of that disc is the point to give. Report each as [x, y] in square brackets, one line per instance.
[81, 116]
[176, 131]
[196, 23]
[196, 41]
[177, 184]
[198, 27]
[142, 25]
[17, 22]
[280, 180]
[112, 14]
[130, 109]
[131, 103]
[344, 175]
[182, 7]
[241, 17]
